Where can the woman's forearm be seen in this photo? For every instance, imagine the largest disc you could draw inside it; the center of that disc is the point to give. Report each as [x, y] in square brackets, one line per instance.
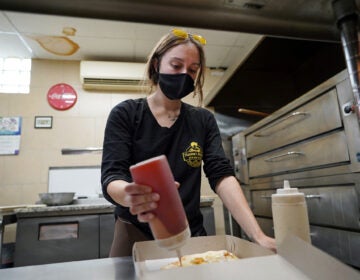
[231, 194]
[116, 191]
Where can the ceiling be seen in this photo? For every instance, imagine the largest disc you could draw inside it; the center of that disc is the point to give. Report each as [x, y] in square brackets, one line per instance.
[263, 72]
[98, 39]
[41, 36]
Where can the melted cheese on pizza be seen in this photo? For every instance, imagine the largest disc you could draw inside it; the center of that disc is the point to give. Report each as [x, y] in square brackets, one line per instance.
[203, 258]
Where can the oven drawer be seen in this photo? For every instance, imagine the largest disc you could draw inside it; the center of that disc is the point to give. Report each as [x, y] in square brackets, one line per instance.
[313, 118]
[343, 245]
[261, 202]
[333, 206]
[328, 206]
[266, 225]
[319, 152]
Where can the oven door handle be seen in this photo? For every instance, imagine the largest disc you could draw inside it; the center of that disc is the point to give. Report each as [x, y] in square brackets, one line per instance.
[285, 156]
[307, 196]
[313, 196]
[282, 124]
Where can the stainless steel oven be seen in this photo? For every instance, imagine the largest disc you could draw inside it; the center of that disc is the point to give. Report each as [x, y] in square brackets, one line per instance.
[314, 142]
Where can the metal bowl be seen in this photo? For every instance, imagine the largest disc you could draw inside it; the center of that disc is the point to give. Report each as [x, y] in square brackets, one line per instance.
[52, 199]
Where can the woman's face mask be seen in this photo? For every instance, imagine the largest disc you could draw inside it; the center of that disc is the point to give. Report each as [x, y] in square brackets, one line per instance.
[176, 86]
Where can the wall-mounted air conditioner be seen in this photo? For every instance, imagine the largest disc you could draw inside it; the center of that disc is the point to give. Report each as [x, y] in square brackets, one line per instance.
[112, 76]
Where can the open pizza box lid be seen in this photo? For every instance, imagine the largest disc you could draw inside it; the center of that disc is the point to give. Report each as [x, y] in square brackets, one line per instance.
[295, 259]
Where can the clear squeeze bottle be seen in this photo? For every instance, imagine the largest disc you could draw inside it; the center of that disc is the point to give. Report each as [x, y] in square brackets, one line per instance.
[290, 214]
[170, 226]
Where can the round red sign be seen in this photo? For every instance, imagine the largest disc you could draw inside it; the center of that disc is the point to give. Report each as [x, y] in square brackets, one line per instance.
[62, 96]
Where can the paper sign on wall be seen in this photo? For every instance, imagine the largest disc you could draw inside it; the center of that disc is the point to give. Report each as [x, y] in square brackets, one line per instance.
[10, 131]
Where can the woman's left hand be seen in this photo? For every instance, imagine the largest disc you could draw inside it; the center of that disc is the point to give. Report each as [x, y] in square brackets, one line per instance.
[267, 242]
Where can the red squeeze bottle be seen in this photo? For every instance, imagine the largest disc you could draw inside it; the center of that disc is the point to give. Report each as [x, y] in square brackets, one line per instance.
[170, 226]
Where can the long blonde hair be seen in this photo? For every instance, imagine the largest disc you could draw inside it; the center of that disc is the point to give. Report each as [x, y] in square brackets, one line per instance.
[167, 42]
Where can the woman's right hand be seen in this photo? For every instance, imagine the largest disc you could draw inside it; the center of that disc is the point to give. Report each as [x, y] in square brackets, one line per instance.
[139, 198]
[141, 201]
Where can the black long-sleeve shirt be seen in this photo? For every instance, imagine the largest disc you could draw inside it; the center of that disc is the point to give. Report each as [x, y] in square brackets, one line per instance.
[132, 134]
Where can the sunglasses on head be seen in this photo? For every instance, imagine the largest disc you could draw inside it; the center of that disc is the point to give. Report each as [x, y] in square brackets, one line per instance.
[183, 34]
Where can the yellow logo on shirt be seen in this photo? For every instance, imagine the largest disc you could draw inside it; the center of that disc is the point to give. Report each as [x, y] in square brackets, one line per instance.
[193, 155]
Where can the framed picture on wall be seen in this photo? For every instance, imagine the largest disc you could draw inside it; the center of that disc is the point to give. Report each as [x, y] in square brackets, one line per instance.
[43, 122]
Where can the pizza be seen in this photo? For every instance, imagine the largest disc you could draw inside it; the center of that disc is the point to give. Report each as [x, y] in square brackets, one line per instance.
[202, 258]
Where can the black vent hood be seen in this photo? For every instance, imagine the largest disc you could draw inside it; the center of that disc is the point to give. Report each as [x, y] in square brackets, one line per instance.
[310, 19]
[278, 71]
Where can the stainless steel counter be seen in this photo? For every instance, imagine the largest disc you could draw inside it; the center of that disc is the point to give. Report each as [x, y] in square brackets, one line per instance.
[87, 207]
[82, 206]
[108, 268]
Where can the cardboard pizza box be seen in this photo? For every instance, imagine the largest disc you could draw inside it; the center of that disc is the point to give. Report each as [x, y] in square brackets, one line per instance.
[295, 259]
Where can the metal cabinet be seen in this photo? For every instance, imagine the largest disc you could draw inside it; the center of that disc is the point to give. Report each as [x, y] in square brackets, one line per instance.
[56, 239]
[239, 158]
[315, 144]
[106, 234]
[44, 240]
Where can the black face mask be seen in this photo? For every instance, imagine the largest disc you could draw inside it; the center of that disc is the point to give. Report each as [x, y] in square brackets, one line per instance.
[176, 86]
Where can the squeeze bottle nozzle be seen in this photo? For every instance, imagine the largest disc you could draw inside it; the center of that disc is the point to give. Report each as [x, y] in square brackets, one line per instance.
[286, 184]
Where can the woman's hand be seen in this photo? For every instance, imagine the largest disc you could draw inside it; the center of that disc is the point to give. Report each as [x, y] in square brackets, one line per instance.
[267, 242]
[141, 201]
[139, 198]
[143, 209]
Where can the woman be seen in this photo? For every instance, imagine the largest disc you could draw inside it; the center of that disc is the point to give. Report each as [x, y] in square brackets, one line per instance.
[162, 124]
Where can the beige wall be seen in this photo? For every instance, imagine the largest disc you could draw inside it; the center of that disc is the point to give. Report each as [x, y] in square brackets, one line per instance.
[25, 175]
